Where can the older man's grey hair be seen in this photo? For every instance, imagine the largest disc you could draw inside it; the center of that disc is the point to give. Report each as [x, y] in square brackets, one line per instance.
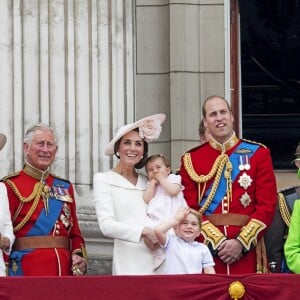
[37, 127]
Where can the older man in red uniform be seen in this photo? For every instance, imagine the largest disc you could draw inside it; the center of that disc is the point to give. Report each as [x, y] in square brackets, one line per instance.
[231, 182]
[48, 239]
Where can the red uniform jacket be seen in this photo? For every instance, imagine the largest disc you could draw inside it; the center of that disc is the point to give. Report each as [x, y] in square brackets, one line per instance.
[253, 194]
[33, 215]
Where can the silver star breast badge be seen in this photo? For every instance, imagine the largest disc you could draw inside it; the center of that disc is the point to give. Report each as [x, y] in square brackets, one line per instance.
[245, 199]
[245, 181]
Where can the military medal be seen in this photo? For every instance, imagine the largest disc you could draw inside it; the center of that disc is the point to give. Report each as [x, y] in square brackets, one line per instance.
[245, 181]
[241, 165]
[62, 194]
[247, 165]
[244, 163]
[245, 199]
[45, 195]
[14, 266]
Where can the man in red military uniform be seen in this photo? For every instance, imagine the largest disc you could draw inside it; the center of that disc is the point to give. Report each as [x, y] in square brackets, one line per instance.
[232, 183]
[48, 239]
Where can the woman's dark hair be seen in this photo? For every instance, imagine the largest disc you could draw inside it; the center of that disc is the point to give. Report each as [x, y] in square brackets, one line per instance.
[142, 162]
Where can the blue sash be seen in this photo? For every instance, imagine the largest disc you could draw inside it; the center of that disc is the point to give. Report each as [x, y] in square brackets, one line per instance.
[43, 226]
[222, 187]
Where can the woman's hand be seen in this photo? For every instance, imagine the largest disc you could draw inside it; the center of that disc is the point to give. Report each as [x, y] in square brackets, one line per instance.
[150, 239]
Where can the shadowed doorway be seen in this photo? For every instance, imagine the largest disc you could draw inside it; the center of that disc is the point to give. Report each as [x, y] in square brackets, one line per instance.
[270, 75]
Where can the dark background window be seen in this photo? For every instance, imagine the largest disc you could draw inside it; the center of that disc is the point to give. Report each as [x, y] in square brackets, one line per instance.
[270, 70]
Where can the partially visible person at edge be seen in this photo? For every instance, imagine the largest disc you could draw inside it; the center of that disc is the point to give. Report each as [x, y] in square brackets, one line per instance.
[232, 183]
[292, 244]
[6, 230]
[163, 195]
[204, 134]
[42, 206]
[118, 198]
[184, 255]
[277, 233]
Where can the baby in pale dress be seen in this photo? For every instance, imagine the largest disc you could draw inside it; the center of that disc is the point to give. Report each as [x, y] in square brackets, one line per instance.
[163, 195]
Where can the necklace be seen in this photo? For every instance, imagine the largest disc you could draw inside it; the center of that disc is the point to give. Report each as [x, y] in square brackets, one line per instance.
[131, 178]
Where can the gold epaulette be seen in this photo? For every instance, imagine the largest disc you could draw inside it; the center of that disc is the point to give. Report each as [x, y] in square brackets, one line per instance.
[212, 234]
[254, 142]
[249, 233]
[10, 176]
[284, 211]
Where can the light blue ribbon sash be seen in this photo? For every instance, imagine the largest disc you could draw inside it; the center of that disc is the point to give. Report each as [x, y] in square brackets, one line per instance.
[222, 187]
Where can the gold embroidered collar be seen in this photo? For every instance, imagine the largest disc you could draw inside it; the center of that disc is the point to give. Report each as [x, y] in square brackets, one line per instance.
[231, 142]
[35, 173]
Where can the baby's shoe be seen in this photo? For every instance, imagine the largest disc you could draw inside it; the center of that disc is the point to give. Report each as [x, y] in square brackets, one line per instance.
[159, 258]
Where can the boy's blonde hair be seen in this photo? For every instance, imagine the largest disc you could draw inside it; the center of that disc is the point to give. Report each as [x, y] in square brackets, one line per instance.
[197, 214]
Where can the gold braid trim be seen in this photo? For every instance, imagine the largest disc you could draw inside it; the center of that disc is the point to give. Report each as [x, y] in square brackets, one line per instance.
[249, 233]
[222, 158]
[36, 194]
[283, 208]
[18, 194]
[212, 234]
[254, 142]
[216, 170]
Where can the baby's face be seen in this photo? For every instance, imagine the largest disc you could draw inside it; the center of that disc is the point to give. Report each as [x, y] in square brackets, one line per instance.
[157, 166]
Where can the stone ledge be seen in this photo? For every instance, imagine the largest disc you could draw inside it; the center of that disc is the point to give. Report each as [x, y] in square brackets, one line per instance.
[99, 248]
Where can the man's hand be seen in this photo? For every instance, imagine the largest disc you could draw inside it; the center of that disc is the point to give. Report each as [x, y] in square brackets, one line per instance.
[230, 251]
[78, 265]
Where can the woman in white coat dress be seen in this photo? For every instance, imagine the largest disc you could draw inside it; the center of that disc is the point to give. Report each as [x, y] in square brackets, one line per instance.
[6, 229]
[118, 198]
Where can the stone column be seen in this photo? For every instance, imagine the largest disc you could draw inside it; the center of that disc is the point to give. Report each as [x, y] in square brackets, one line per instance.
[68, 64]
[180, 61]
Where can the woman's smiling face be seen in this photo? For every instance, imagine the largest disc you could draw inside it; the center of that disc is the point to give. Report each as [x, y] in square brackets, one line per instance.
[131, 148]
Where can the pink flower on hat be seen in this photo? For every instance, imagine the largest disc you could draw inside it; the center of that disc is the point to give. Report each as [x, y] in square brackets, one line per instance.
[150, 130]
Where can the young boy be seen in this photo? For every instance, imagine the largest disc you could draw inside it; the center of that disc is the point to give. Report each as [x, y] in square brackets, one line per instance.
[184, 255]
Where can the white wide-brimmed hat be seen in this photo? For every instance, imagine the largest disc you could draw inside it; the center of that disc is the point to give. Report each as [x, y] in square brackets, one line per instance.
[149, 130]
[2, 140]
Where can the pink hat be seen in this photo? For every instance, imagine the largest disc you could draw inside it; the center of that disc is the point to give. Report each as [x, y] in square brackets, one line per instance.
[149, 130]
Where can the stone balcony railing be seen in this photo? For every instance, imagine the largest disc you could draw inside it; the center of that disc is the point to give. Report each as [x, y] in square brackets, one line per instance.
[99, 248]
